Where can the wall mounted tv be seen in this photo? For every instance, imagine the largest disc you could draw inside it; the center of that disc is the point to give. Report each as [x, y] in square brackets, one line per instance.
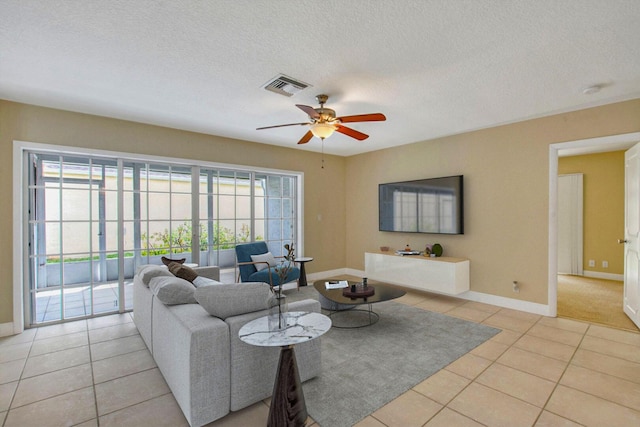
[432, 205]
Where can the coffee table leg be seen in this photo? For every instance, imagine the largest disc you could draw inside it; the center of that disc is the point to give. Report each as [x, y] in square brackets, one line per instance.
[287, 402]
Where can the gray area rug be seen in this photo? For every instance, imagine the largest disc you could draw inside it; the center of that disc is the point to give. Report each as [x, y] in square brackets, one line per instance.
[364, 369]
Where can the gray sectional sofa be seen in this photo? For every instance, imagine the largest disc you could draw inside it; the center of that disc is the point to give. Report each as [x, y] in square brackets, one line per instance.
[208, 369]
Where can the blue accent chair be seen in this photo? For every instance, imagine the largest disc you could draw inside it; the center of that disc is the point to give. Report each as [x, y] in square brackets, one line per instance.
[247, 267]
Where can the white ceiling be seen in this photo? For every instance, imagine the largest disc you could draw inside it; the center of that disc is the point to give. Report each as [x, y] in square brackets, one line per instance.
[434, 68]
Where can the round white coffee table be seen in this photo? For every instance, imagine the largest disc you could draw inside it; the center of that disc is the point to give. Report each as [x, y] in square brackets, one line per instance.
[287, 402]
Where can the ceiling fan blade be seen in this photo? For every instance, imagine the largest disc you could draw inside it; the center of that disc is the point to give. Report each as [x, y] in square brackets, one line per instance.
[351, 132]
[311, 112]
[306, 138]
[279, 126]
[374, 117]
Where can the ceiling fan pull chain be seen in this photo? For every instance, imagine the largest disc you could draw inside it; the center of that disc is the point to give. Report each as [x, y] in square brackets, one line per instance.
[322, 153]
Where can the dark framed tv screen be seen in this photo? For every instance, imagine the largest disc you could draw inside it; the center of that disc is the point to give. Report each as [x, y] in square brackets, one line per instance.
[433, 205]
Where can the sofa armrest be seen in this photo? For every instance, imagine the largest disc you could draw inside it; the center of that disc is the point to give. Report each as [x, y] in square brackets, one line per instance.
[210, 272]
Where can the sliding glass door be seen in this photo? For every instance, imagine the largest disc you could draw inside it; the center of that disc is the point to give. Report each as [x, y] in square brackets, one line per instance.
[93, 221]
[73, 237]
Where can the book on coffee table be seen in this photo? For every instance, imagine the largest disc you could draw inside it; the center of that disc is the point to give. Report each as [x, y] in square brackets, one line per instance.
[336, 284]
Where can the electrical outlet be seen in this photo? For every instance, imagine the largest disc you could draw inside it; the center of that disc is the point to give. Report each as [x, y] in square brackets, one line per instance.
[605, 264]
[516, 286]
[592, 263]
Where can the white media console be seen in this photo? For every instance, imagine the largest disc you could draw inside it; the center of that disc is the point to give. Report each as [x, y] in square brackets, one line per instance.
[444, 275]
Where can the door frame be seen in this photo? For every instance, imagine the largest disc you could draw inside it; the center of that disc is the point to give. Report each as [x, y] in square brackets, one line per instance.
[577, 147]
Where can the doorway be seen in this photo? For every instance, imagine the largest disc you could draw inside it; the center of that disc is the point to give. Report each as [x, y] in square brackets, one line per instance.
[572, 148]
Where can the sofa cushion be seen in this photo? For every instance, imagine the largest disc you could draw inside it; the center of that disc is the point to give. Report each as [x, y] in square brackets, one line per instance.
[182, 271]
[166, 261]
[228, 300]
[204, 281]
[172, 290]
[266, 257]
[149, 271]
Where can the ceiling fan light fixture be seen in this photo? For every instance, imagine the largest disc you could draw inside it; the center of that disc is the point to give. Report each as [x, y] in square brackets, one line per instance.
[322, 130]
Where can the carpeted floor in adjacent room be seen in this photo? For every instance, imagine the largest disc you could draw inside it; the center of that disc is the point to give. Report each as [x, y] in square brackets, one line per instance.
[592, 300]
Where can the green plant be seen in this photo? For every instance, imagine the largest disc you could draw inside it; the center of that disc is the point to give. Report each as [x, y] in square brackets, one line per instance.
[179, 240]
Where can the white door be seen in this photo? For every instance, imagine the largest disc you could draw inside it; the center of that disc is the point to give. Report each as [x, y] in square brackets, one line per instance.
[570, 218]
[632, 235]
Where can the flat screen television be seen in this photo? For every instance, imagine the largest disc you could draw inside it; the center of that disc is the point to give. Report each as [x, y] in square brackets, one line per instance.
[433, 205]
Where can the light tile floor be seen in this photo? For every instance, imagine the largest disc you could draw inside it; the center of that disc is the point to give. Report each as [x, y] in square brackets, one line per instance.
[538, 371]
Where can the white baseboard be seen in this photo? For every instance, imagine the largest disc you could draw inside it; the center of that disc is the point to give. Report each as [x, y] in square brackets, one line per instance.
[6, 329]
[605, 276]
[515, 304]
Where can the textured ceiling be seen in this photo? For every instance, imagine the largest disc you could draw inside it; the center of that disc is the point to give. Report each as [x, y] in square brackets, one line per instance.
[434, 68]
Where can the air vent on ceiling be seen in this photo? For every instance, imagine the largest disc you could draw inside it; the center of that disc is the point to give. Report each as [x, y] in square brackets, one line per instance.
[285, 85]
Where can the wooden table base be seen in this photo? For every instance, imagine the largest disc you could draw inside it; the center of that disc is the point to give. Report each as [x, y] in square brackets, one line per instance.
[287, 402]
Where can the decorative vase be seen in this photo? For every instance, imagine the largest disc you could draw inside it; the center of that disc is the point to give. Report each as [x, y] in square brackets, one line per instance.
[278, 312]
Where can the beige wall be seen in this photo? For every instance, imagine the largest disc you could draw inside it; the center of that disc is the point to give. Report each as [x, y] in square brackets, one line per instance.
[506, 172]
[603, 184]
[324, 188]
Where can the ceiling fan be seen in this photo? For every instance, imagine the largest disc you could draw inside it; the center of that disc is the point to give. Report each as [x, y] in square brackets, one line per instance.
[323, 122]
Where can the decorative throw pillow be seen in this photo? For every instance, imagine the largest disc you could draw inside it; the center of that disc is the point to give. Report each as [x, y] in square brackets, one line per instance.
[172, 290]
[182, 271]
[166, 261]
[228, 300]
[204, 281]
[266, 257]
[149, 271]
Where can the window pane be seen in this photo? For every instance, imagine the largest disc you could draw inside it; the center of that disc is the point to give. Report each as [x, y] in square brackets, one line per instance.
[288, 187]
[224, 236]
[287, 208]
[111, 236]
[274, 184]
[129, 232]
[180, 239]
[129, 201]
[181, 206]
[52, 236]
[159, 204]
[205, 230]
[127, 177]
[111, 178]
[181, 180]
[287, 229]
[243, 207]
[76, 237]
[144, 206]
[227, 183]
[275, 208]
[259, 206]
[259, 230]
[52, 202]
[243, 231]
[158, 179]
[75, 204]
[273, 229]
[227, 207]
[74, 298]
[110, 205]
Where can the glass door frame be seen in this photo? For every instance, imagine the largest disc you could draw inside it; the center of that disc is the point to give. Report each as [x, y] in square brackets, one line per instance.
[21, 316]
